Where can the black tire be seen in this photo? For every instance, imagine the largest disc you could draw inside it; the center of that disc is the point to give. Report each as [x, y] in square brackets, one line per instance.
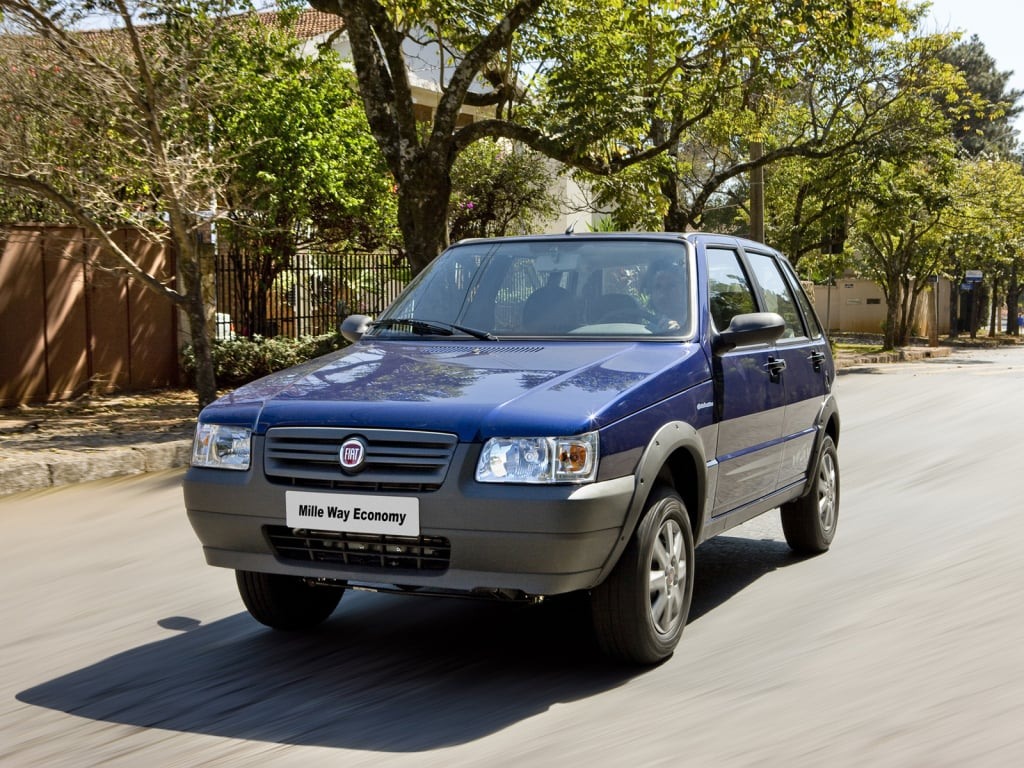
[286, 602]
[640, 610]
[809, 523]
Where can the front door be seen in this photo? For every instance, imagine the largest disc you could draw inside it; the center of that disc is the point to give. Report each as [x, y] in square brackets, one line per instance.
[750, 393]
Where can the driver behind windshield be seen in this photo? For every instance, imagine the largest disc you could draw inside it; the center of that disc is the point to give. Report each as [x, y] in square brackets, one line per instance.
[666, 296]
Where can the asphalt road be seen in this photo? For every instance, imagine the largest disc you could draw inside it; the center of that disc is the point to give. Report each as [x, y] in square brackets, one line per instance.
[903, 646]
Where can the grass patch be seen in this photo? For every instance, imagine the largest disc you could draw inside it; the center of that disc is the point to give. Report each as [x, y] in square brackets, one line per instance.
[860, 349]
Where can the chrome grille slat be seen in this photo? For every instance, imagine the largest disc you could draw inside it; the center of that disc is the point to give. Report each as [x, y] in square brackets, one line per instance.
[396, 459]
[422, 553]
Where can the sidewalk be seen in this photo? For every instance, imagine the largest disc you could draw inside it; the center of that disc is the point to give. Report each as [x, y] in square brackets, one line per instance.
[112, 436]
[90, 438]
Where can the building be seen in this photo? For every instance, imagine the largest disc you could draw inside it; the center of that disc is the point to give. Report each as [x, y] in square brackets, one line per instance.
[857, 305]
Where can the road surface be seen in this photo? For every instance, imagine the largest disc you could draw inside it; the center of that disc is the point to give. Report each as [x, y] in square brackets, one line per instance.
[902, 646]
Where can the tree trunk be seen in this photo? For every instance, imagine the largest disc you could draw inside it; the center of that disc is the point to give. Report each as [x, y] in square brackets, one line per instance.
[994, 311]
[1012, 302]
[892, 318]
[903, 331]
[423, 200]
[676, 218]
[954, 309]
[196, 309]
[910, 315]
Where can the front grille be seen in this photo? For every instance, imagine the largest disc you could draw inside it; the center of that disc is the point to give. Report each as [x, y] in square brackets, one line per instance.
[421, 553]
[396, 460]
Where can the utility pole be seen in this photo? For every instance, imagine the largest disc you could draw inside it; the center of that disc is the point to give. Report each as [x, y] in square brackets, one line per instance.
[756, 193]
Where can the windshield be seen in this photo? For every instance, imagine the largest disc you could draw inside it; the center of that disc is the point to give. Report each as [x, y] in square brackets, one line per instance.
[549, 288]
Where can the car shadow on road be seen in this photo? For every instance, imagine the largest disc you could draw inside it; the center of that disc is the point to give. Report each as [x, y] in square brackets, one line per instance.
[726, 565]
[386, 673]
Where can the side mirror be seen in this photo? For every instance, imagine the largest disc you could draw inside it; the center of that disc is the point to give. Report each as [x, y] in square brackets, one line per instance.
[354, 326]
[752, 328]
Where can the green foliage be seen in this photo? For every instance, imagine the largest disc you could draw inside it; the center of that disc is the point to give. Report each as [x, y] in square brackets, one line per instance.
[238, 361]
[631, 199]
[985, 124]
[302, 169]
[499, 189]
[985, 224]
[299, 154]
[614, 72]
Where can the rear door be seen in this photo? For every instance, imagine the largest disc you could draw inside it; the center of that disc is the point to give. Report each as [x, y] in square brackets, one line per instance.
[750, 396]
[805, 361]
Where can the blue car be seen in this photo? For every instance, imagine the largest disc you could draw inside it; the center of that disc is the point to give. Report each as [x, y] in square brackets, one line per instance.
[533, 416]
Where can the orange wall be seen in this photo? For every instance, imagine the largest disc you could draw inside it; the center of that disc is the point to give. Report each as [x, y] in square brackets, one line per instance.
[68, 326]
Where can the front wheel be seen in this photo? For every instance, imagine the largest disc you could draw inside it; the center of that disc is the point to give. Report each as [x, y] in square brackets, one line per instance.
[640, 610]
[286, 602]
[809, 523]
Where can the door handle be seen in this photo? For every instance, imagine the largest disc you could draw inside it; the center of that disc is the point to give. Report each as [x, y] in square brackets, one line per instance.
[776, 365]
[817, 358]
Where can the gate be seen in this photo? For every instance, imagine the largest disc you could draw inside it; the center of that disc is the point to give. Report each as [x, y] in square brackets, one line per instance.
[309, 297]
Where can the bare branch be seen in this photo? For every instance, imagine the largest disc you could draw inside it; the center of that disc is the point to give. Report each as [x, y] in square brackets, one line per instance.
[83, 217]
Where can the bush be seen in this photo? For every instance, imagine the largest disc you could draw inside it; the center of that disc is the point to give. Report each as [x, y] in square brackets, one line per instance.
[239, 361]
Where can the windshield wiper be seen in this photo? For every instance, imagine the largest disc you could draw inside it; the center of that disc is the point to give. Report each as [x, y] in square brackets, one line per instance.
[434, 327]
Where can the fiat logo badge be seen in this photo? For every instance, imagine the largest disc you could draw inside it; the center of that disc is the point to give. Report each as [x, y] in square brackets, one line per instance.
[352, 454]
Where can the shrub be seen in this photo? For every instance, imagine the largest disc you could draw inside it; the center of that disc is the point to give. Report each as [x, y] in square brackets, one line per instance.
[241, 360]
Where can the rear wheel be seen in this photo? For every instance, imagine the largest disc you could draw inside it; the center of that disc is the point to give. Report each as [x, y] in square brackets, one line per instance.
[809, 523]
[640, 610]
[286, 602]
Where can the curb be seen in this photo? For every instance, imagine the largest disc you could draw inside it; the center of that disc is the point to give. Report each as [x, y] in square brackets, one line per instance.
[59, 468]
[902, 355]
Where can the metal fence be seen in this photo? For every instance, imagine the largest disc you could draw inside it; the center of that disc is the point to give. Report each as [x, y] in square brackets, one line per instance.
[308, 297]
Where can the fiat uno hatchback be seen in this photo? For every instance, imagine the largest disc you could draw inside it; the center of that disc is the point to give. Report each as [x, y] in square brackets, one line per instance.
[532, 417]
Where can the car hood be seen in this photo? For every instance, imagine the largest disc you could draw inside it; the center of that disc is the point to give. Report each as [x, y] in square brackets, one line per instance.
[474, 390]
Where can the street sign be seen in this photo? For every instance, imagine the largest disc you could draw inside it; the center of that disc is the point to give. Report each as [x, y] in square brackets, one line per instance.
[973, 275]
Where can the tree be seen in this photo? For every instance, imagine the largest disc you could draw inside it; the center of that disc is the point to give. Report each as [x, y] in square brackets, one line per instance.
[988, 126]
[305, 172]
[177, 117]
[984, 230]
[825, 93]
[904, 192]
[595, 86]
[890, 123]
[101, 125]
[498, 189]
[898, 235]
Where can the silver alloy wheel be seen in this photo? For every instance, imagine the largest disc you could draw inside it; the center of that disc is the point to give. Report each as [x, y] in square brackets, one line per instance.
[668, 577]
[827, 492]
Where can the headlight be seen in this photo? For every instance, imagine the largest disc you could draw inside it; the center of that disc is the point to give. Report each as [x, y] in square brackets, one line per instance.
[539, 459]
[222, 447]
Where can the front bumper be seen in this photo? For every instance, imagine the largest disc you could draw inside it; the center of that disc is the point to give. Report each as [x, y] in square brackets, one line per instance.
[533, 539]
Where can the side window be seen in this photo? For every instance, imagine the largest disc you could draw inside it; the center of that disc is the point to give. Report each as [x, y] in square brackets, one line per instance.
[805, 304]
[777, 295]
[729, 292]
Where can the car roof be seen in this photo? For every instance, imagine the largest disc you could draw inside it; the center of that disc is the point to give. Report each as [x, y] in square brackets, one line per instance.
[690, 237]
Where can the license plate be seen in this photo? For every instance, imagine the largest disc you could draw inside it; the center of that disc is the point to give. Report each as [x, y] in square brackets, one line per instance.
[353, 513]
